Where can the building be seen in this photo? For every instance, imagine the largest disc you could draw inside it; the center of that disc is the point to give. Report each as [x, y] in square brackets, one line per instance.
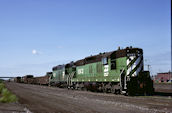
[163, 77]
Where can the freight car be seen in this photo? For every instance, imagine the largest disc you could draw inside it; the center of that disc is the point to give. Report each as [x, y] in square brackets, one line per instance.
[30, 79]
[43, 80]
[27, 79]
[119, 71]
[17, 79]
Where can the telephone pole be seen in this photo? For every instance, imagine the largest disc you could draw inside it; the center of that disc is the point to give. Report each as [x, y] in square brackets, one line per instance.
[148, 67]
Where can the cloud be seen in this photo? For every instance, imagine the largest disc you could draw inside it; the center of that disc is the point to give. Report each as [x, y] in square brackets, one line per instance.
[34, 52]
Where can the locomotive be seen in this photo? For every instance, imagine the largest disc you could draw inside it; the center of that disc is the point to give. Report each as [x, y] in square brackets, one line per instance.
[120, 71]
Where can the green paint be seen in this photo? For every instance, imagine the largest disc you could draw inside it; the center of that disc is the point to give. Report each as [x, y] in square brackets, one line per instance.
[83, 73]
[58, 76]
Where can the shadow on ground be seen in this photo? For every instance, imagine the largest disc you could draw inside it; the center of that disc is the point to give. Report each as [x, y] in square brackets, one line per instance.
[162, 94]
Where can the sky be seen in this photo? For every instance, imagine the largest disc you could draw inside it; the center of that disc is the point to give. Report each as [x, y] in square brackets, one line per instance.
[36, 35]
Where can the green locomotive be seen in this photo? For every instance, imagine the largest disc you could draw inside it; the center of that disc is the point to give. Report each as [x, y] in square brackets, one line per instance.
[119, 71]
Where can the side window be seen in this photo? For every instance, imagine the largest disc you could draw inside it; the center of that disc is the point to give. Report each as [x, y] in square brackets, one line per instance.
[113, 64]
[104, 61]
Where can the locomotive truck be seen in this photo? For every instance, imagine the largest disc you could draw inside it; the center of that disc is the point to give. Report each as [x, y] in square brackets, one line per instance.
[120, 71]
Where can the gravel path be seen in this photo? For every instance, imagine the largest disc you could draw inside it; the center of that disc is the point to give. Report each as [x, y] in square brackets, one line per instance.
[43, 99]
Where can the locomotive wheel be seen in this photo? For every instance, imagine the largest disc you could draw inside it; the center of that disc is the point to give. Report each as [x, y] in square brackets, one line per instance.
[113, 90]
[117, 91]
[104, 90]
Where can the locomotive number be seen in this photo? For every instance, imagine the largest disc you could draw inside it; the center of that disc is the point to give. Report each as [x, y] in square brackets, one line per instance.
[106, 69]
[80, 71]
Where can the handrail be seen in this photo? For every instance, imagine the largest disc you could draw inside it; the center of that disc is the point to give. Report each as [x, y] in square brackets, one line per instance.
[120, 76]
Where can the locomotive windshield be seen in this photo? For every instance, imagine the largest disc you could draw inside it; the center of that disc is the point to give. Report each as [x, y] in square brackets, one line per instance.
[104, 61]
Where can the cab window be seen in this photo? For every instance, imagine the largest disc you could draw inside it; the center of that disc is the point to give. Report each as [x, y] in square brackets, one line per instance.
[113, 64]
[104, 61]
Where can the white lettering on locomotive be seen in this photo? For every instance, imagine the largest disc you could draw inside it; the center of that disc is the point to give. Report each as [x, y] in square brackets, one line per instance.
[106, 69]
[80, 71]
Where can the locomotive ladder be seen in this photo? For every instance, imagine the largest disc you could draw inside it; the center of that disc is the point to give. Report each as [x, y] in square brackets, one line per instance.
[122, 81]
[69, 79]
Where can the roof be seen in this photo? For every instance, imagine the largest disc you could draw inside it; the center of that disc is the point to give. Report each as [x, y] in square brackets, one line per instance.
[80, 62]
[28, 76]
[48, 73]
[97, 58]
[58, 67]
[69, 64]
[113, 55]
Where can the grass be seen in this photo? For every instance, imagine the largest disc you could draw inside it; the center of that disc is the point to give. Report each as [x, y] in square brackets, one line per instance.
[5, 95]
[1, 80]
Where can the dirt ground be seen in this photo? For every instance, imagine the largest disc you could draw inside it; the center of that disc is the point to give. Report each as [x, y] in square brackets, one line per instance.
[13, 108]
[44, 99]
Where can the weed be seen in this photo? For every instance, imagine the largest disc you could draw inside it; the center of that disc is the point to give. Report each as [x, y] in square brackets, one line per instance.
[2, 86]
[6, 96]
